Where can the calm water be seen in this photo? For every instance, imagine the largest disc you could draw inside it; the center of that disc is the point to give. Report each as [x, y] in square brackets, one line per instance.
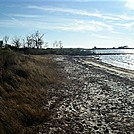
[124, 61]
[114, 51]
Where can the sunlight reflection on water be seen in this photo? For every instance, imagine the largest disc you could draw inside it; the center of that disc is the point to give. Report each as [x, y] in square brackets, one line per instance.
[123, 61]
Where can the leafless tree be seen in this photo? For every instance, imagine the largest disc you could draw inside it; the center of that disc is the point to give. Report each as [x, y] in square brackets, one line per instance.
[60, 44]
[35, 40]
[23, 42]
[46, 45]
[5, 39]
[29, 41]
[55, 44]
[40, 43]
[16, 41]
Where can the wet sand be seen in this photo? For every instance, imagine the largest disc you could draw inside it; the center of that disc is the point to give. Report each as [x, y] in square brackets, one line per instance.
[96, 99]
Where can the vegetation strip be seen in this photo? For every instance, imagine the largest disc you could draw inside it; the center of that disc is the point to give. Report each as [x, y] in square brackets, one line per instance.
[26, 84]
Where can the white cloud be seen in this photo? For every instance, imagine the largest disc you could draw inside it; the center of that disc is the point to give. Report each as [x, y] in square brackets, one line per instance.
[81, 25]
[128, 25]
[18, 21]
[101, 36]
[64, 25]
[11, 23]
[125, 26]
[71, 11]
[77, 12]
[26, 15]
[113, 18]
[104, 23]
[130, 4]
[110, 37]
[14, 20]
[77, 25]
[127, 17]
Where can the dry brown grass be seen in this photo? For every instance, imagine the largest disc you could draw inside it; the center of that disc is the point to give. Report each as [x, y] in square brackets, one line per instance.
[24, 84]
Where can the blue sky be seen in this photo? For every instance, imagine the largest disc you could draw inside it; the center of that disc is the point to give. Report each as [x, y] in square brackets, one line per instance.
[77, 23]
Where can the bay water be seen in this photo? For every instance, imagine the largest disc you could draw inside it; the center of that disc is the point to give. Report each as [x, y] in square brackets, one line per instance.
[123, 58]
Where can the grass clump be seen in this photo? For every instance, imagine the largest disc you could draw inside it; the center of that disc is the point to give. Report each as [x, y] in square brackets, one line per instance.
[7, 58]
[24, 84]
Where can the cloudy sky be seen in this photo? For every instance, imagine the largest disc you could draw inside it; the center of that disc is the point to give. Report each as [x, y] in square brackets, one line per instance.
[77, 23]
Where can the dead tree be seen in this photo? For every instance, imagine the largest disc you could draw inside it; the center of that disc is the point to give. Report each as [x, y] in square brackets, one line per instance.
[5, 40]
[23, 42]
[60, 44]
[29, 41]
[55, 44]
[46, 45]
[16, 41]
[37, 39]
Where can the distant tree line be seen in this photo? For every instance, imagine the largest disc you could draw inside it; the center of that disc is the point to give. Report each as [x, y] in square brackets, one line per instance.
[30, 41]
[34, 44]
[34, 40]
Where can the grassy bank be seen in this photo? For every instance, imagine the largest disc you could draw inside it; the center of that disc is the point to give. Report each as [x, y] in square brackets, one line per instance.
[24, 85]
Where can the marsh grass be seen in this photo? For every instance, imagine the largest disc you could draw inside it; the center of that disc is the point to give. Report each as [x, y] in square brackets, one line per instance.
[24, 84]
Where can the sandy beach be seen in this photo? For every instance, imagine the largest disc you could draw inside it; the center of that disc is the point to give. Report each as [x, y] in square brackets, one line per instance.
[97, 99]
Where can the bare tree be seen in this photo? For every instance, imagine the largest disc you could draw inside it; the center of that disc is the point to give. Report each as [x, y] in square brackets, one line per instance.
[60, 44]
[37, 38]
[29, 41]
[16, 41]
[5, 39]
[55, 44]
[23, 42]
[40, 43]
[46, 45]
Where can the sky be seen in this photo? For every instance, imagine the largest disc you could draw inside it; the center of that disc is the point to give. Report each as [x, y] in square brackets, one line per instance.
[77, 23]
